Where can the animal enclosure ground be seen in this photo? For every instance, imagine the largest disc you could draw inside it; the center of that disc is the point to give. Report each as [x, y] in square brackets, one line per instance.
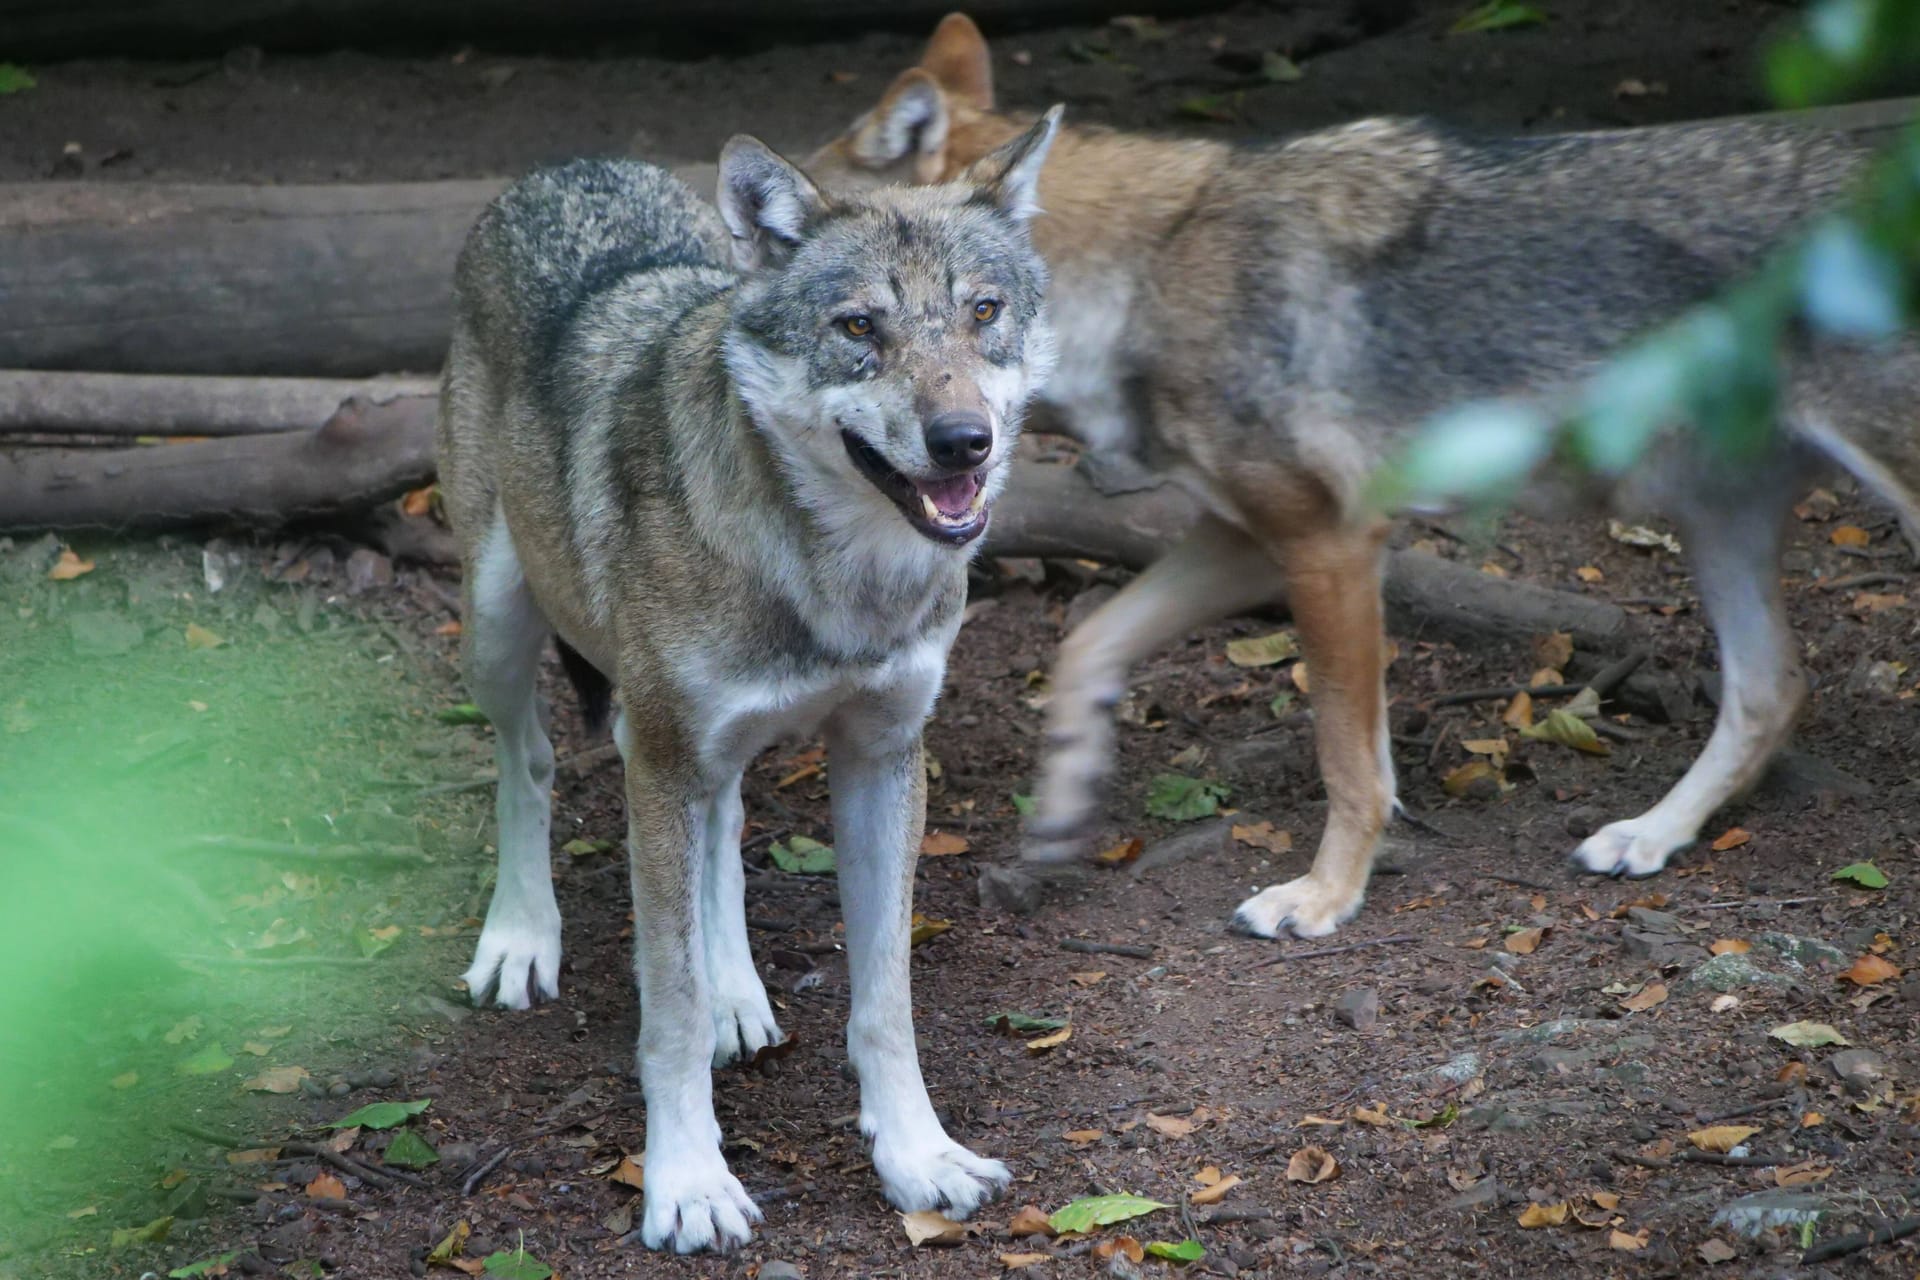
[1504, 1032]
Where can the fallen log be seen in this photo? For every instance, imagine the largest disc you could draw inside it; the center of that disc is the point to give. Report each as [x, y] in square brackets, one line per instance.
[364, 453]
[130, 404]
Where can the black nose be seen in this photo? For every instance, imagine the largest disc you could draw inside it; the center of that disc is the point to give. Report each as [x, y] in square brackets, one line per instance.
[960, 440]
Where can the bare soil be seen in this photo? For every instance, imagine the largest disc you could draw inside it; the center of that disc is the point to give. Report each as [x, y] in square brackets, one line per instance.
[1495, 1073]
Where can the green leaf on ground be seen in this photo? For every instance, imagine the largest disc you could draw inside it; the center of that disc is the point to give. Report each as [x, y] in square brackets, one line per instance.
[461, 713]
[1099, 1211]
[1186, 1251]
[1024, 805]
[1569, 730]
[1023, 1024]
[1178, 798]
[1278, 68]
[1281, 704]
[1498, 15]
[410, 1151]
[517, 1264]
[1809, 1035]
[155, 1232]
[1263, 651]
[202, 1268]
[586, 848]
[1864, 874]
[382, 1115]
[1218, 107]
[802, 856]
[208, 1061]
[15, 78]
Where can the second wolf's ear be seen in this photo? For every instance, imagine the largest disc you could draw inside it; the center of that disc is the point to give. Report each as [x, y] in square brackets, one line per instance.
[766, 202]
[1010, 174]
[909, 124]
[958, 60]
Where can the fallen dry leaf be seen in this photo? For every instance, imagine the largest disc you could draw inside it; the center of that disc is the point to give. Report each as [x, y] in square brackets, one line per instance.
[925, 1227]
[1732, 838]
[1298, 674]
[1015, 1261]
[1850, 535]
[1081, 1137]
[1811, 1119]
[1882, 943]
[1047, 1042]
[1545, 1215]
[198, 637]
[1120, 854]
[1721, 1004]
[1553, 649]
[1459, 782]
[1633, 1243]
[417, 502]
[1607, 1199]
[1869, 602]
[1312, 1165]
[1261, 835]
[254, 1155]
[1312, 1122]
[326, 1187]
[1791, 1073]
[1030, 1221]
[1086, 978]
[1208, 1176]
[277, 1080]
[1525, 941]
[1126, 1246]
[1869, 969]
[1376, 1115]
[1216, 1192]
[1646, 998]
[1730, 946]
[628, 1174]
[1721, 1138]
[1714, 1252]
[1519, 712]
[1590, 573]
[69, 566]
[1172, 1126]
[941, 844]
[1800, 1175]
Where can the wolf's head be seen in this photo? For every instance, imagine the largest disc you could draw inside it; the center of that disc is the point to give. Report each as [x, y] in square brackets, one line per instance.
[933, 121]
[890, 341]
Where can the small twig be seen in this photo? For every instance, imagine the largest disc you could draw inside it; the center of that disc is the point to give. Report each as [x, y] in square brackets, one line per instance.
[1696, 1157]
[1752, 1109]
[1221, 1217]
[1757, 902]
[1422, 825]
[224, 1140]
[1615, 674]
[1521, 881]
[347, 1164]
[482, 1171]
[1864, 580]
[1608, 729]
[1506, 691]
[1840, 1247]
[768, 924]
[1087, 947]
[1317, 952]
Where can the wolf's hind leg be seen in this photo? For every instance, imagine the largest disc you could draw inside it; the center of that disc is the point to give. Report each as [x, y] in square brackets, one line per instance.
[1215, 571]
[1735, 548]
[519, 949]
[743, 1021]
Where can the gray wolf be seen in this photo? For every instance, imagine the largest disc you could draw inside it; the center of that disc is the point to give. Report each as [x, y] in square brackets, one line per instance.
[1267, 322]
[737, 464]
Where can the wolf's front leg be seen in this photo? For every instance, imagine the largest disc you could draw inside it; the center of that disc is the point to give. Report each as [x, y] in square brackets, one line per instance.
[692, 1201]
[879, 812]
[742, 1019]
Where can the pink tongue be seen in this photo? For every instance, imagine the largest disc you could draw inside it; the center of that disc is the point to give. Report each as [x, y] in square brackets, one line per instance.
[951, 496]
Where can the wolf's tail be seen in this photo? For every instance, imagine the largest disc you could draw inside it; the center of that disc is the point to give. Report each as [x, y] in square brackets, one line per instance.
[593, 687]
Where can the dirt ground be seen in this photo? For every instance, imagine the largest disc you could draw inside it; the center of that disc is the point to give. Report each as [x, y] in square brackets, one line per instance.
[1493, 1032]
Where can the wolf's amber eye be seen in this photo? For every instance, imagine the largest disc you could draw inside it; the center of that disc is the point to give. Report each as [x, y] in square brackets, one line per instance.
[857, 326]
[985, 310]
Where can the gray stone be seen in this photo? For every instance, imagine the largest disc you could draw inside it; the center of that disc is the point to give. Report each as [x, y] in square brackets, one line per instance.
[1212, 838]
[1629, 1072]
[1259, 757]
[1732, 972]
[99, 633]
[1656, 921]
[1802, 951]
[1573, 1107]
[1484, 1194]
[1010, 889]
[1358, 1009]
[1546, 1032]
[1563, 1062]
[1859, 1069]
[1799, 776]
[1659, 696]
[1660, 948]
[779, 1271]
[367, 569]
[1460, 1068]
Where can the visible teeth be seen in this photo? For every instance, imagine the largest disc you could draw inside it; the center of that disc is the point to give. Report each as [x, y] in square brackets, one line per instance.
[926, 505]
[979, 501]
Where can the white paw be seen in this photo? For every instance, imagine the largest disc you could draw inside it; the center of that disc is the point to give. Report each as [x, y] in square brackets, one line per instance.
[693, 1203]
[519, 953]
[1306, 908]
[1635, 847]
[742, 1024]
[932, 1171]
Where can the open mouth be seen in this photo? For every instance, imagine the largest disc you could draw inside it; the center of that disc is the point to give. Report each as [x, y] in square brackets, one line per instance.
[951, 509]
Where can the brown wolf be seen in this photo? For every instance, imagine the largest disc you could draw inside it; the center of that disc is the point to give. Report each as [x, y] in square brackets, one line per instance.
[737, 463]
[1266, 322]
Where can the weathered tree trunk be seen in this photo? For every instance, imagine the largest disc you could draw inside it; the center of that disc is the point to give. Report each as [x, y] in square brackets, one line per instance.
[132, 404]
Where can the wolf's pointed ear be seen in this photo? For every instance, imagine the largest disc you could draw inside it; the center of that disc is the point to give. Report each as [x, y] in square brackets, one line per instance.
[767, 203]
[909, 124]
[1010, 174]
[958, 60]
